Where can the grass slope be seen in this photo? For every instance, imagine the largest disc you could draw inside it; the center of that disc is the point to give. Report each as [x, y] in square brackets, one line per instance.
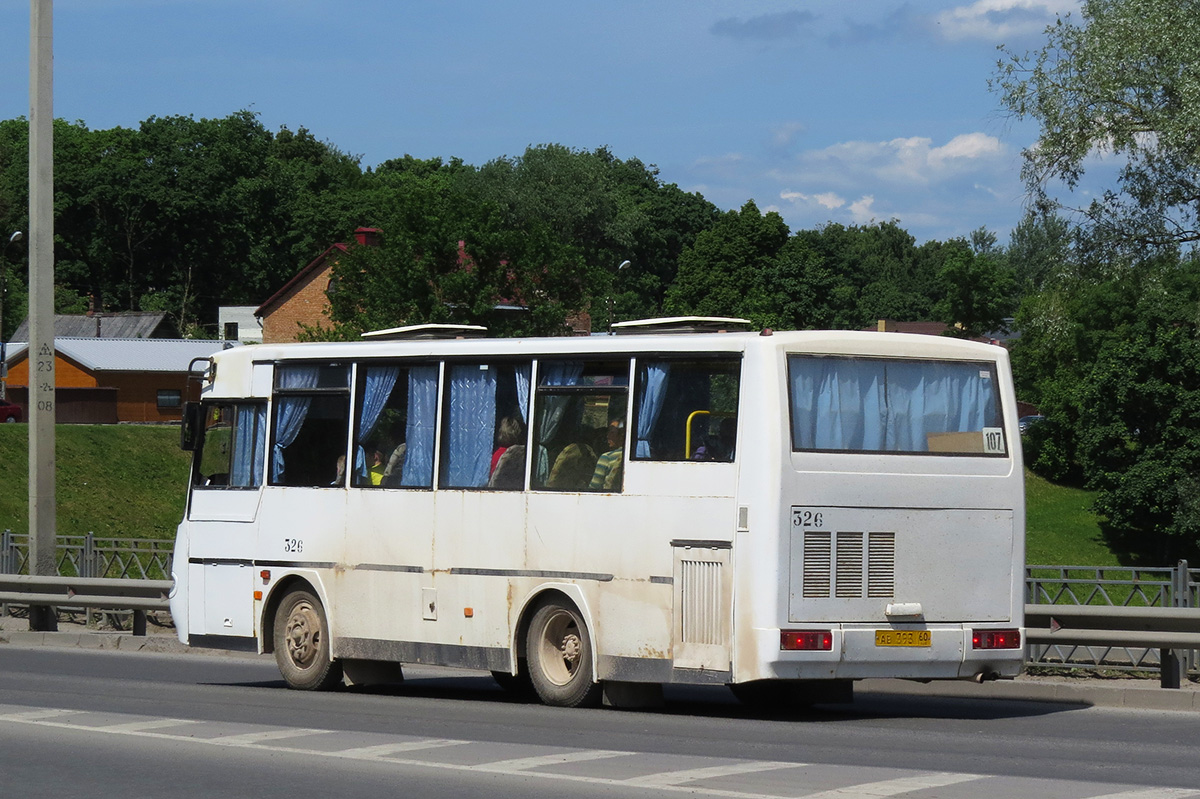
[1060, 528]
[113, 480]
[130, 480]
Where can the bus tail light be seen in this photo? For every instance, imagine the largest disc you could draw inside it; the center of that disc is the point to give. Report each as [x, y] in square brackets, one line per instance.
[995, 639]
[806, 640]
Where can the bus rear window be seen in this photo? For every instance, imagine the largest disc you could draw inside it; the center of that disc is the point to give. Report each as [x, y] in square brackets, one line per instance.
[841, 404]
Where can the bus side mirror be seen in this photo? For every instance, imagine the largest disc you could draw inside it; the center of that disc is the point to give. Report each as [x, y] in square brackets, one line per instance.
[193, 424]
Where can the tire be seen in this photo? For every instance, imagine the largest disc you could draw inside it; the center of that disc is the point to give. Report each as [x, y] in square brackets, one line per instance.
[302, 644]
[10, 419]
[559, 650]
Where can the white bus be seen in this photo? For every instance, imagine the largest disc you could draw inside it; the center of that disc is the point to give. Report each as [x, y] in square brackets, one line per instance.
[595, 517]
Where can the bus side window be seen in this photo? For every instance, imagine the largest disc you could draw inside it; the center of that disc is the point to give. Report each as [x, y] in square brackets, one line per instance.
[484, 426]
[579, 425]
[231, 450]
[311, 424]
[686, 409]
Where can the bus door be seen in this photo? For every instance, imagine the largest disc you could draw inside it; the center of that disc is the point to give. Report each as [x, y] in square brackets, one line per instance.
[226, 490]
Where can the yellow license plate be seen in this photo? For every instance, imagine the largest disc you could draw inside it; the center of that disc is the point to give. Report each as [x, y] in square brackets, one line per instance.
[903, 638]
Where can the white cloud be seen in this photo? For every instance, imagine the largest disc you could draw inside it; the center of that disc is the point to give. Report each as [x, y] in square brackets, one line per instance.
[783, 135]
[996, 20]
[860, 209]
[903, 160]
[825, 199]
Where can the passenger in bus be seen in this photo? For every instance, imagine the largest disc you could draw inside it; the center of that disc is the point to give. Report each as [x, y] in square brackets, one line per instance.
[340, 478]
[573, 468]
[376, 469]
[509, 473]
[393, 472]
[719, 447]
[511, 432]
[611, 465]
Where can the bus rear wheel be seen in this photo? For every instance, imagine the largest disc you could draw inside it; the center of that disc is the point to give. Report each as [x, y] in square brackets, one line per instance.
[559, 650]
[302, 644]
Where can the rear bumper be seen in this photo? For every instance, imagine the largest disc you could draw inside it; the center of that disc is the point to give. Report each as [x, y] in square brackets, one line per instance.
[855, 655]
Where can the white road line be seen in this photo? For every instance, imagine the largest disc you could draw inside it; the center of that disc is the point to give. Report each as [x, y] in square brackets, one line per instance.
[40, 714]
[251, 738]
[870, 790]
[1151, 793]
[524, 763]
[137, 726]
[691, 775]
[383, 750]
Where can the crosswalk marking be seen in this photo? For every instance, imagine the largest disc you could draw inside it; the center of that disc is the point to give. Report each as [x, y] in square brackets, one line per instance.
[39, 714]
[691, 775]
[250, 738]
[1152, 793]
[526, 763]
[679, 781]
[895, 787]
[383, 750]
[137, 726]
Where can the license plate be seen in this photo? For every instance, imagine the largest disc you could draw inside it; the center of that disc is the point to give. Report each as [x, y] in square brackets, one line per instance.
[903, 638]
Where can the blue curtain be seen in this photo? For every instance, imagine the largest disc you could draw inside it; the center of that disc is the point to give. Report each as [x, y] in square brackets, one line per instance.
[552, 408]
[377, 387]
[289, 417]
[653, 394]
[248, 451]
[886, 406]
[471, 428]
[421, 429]
[521, 372]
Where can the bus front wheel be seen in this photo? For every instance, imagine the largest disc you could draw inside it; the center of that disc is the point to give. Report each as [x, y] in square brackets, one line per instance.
[302, 644]
[559, 650]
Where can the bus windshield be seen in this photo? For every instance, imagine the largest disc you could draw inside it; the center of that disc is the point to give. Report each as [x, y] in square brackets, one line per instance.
[843, 404]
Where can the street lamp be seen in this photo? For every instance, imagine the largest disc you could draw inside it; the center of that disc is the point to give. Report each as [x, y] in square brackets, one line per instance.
[612, 288]
[13, 239]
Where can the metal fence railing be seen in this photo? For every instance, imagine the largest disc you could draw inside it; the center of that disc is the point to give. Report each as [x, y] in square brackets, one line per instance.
[93, 556]
[1115, 587]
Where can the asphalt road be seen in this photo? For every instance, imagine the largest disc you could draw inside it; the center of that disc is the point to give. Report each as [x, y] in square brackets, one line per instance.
[110, 724]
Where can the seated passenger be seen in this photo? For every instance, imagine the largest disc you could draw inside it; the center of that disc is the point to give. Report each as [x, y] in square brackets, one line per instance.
[572, 468]
[720, 447]
[610, 466]
[510, 469]
[511, 432]
[393, 473]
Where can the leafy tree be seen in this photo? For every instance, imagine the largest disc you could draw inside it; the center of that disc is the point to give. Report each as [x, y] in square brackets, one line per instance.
[726, 271]
[977, 290]
[1125, 81]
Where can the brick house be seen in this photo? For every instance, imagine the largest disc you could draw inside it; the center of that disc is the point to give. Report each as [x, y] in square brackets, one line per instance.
[304, 300]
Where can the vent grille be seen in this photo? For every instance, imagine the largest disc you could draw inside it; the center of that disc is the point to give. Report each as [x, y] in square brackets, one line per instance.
[701, 611]
[849, 577]
[849, 565]
[817, 558]
[881, 564]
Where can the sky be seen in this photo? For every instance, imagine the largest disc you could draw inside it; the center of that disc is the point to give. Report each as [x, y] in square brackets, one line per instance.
[848, 111]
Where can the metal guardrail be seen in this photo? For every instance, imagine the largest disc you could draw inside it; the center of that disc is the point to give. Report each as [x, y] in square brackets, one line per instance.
[1170, 630]
[1113, 618]
[99, 593]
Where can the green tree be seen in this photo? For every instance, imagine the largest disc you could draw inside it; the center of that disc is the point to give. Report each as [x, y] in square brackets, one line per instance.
[1124, 80]
[977, 289]
[727, 270]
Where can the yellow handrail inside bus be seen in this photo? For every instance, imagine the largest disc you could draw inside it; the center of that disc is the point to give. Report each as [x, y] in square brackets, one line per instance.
[687, 434]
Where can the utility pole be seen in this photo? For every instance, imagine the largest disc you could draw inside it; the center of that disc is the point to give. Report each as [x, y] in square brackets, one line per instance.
[42, 505]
